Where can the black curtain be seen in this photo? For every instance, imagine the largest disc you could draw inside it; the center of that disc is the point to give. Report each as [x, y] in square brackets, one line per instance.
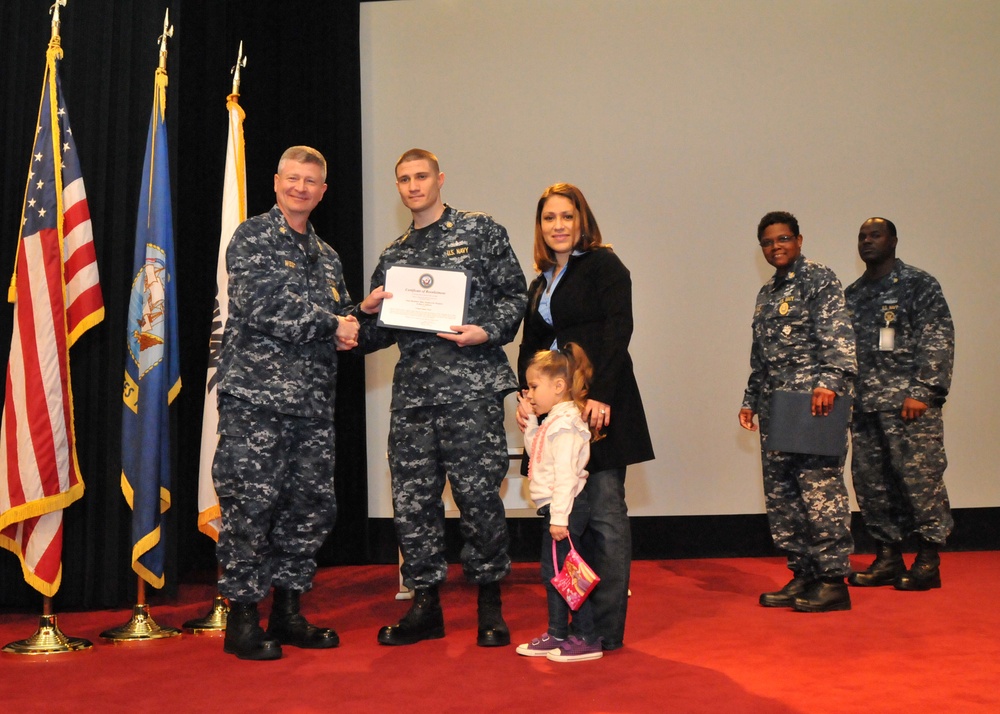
[301, 85]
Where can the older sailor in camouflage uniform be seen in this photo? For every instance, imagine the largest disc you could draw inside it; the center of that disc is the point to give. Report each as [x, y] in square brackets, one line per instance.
[273, 468]
[447, 404]
[802, 341]
[906, 348]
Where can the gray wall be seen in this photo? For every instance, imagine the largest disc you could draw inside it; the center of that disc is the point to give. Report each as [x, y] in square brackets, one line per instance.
[683, 123]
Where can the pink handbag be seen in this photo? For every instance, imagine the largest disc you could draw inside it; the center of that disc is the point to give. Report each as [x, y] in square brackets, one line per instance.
[576, 579]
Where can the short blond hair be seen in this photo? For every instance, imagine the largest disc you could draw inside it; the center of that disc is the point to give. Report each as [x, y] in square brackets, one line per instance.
[304, 155]
[418, 155]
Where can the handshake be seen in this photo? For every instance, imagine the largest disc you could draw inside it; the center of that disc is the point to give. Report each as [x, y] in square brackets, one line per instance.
[347, 332]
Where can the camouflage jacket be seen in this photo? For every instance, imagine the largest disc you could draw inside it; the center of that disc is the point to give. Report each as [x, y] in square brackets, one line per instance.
[802, 335]
[285, 292]
[909, 301]
[432, 370]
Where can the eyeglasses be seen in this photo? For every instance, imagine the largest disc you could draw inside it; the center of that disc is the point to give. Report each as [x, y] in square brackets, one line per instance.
[768, 243]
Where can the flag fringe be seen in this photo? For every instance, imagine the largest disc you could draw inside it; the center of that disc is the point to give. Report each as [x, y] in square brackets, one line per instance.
[41, 506]
[129, 494]
[44, 587]
[205, 518]
[84, 325]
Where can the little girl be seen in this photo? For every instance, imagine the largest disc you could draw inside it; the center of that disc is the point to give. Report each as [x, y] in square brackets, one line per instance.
[558, 450]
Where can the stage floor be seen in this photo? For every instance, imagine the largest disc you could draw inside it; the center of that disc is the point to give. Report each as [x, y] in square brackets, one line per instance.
[696, 641]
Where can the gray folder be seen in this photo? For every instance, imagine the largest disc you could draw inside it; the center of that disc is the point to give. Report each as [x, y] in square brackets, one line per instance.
[793, 428]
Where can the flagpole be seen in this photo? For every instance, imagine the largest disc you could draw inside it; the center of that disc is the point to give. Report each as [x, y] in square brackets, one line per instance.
[214, 621]
[142, 627]
[48, 638]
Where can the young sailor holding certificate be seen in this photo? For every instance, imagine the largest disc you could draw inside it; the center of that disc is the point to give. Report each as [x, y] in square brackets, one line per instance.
[447, 403]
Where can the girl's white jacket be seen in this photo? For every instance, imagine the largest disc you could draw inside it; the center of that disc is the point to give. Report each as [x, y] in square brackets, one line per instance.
[558, 453]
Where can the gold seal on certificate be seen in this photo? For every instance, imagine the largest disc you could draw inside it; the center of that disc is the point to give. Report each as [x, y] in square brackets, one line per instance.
[425, 299]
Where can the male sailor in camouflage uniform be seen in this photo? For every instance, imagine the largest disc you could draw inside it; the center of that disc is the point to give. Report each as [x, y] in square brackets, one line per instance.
[906, 348]
[802, 342]
[447, 404]
[273, 469]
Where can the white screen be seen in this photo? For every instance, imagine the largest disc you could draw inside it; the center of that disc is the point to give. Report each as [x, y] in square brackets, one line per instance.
[683, 123]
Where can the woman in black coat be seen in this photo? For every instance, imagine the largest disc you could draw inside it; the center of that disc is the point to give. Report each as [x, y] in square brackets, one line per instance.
[583, 294]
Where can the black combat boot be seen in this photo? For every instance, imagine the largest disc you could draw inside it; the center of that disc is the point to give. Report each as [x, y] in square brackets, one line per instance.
[493, 630]
[424, 621]
[786, 596]
[289, 627]
[824, 595]
[244, 636]
[884, 570]
[926, 571]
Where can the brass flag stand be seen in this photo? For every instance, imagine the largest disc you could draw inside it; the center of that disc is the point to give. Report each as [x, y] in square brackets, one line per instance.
[48, 639]
[214, 622]
[141, 627]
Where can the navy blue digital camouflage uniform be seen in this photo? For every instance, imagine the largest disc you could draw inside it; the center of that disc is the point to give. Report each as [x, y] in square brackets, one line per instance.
[274, 464]
[447, 401]
[802, 339]
[898, 465]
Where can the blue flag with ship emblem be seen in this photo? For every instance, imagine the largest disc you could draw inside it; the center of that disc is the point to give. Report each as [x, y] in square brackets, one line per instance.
[152, 366]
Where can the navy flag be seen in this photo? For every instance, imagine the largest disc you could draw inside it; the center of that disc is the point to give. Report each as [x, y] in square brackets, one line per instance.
[152, 366]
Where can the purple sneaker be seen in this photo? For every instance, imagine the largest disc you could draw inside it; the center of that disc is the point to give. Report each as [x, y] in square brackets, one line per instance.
[540, 646]
[573, 649]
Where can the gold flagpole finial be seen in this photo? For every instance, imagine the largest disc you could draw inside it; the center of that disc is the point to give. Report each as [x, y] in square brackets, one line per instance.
[168, 31]
[54, 11]
[241, 61]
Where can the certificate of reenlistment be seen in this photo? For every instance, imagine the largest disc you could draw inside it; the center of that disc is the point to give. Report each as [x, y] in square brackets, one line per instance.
[425, 299]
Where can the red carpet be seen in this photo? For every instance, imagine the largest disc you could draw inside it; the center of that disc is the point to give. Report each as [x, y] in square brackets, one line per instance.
[696, 642]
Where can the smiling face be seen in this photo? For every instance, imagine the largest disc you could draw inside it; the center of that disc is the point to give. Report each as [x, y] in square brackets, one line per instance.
[560, 225]
[544, 391]
[298, 188]
[780, 245]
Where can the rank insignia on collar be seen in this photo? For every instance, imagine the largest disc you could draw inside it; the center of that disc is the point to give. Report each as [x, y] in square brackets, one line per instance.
[290, 263]
[282, 230]
[336, 295]
[449, 225]
[791, 275]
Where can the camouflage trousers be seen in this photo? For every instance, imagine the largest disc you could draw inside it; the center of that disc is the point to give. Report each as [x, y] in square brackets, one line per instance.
[898, 471]
[808, 511]
[464, 443]
[274, 477]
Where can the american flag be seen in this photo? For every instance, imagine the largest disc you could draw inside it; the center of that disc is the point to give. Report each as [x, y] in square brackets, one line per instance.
[57, 297]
